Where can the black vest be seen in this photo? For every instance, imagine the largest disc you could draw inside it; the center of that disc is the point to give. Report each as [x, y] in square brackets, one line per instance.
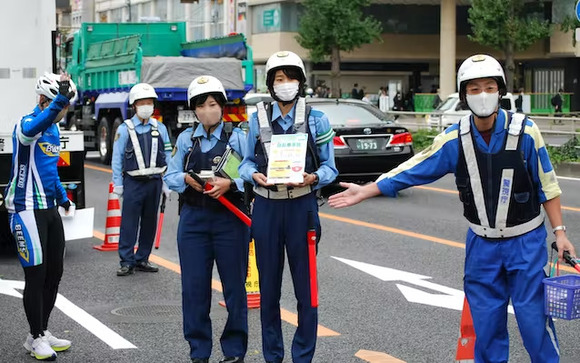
[524, 205]
[196, 160]
[312, 158]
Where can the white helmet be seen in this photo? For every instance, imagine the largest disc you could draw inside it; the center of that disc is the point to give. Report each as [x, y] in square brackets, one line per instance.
[141, 91]
[284, 59]
[203, 85]
[47, 85]
[481, 66]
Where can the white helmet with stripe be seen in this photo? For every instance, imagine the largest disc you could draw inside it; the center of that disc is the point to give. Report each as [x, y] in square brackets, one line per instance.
[204, 85]
[480, 66]
[141, 91]
[284, 59]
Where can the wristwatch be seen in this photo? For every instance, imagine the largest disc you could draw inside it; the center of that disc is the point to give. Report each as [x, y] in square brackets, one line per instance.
[559, 228]
[315, 182]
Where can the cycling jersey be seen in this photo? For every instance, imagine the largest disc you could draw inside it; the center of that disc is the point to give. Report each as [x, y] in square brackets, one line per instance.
[34, 182]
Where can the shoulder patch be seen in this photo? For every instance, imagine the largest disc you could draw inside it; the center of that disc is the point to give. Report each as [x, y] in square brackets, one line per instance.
[117, 135]
[174, 151]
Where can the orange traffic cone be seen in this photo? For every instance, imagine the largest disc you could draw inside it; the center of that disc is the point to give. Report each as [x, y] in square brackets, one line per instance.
[113, 224]
[466, 342]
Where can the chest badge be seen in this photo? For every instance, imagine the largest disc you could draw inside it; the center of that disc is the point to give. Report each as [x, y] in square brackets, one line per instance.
[217, 160]
[155, 133]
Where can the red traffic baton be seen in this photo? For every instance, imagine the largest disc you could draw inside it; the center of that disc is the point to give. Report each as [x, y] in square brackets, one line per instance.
[569, 260]
[311, 236]
[235, 210]
[160, 221]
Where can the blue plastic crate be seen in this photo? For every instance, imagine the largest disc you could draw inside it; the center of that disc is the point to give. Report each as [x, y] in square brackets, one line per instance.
[562, 296]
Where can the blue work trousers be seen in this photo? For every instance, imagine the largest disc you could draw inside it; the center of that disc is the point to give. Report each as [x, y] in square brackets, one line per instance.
[139, 217]
[497, 270]
[278, 224]
[205, 235]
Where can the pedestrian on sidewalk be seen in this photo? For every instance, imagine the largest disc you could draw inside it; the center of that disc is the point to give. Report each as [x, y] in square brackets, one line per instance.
[504, 176]
[140, 151]
[33, 194]
[283, 210]
[207, 230]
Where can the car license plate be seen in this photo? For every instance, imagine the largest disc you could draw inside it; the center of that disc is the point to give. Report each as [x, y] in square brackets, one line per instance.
[185, 116]
[367, 144]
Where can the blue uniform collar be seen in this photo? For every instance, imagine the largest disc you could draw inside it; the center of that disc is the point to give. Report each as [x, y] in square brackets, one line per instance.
[277, 113]
[501, 125]
[200, 131]
[137, 122]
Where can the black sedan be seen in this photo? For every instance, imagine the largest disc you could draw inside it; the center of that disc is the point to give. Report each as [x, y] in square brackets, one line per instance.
[367, 143]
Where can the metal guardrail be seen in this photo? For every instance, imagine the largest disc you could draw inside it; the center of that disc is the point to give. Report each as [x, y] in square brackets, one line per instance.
[548, 124]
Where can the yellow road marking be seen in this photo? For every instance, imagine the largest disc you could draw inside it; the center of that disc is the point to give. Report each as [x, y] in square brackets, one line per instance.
[286, 315]
[94, 167]
[376, 357]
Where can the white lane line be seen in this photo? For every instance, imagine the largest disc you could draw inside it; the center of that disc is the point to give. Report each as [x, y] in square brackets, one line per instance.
[568, 178]
[90, 323]
[86, 320]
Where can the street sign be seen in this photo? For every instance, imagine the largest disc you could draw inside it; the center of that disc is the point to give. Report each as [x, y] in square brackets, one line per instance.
[578, 10]
[271, 18]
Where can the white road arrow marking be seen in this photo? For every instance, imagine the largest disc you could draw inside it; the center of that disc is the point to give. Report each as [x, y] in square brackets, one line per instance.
[86, 320]
[448, 298]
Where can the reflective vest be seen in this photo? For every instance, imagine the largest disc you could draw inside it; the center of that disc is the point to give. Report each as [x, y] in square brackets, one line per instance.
[147, 143]
[497, 191]
[195, 160]
[269, 128]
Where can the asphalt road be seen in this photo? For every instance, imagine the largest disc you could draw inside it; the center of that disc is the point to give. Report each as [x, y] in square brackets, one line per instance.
[361, 307]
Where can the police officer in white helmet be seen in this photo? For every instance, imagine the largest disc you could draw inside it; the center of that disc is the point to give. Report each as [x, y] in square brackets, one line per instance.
[504, 175]
[287, 211]
[140, 153]
[207, 230]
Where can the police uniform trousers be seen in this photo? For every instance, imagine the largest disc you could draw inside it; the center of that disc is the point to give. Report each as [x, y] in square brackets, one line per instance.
[139, 217]
[497, 269]
[205, 235]
[284, 223]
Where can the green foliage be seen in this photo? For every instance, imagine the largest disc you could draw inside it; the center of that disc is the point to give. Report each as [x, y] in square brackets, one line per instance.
[565, 153]
[423, 138]
[570, 23]
[502, 24]
[328, 24]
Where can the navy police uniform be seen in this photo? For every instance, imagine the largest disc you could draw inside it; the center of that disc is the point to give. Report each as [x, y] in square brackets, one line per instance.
[208, 231]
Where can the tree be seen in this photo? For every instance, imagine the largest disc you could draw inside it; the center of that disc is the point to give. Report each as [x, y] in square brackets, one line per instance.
[509, 26]
[330, 26]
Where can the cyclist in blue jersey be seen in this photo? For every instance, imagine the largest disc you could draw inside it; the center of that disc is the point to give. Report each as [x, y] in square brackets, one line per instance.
[32, 196]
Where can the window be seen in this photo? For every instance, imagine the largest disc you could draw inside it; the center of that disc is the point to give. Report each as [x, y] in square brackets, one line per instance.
[275, 17]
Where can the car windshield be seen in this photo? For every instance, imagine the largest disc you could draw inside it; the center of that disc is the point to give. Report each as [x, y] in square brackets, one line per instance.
[447, 105]
[348, 114]
[252, 101]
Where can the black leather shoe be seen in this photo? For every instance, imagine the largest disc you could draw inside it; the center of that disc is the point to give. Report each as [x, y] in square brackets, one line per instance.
[199, 360]
[125, 271]
[232, 360]
[146, 266]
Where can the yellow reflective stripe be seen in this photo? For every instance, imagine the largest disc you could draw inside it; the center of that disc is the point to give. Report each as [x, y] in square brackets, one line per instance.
[548, 181]
[438, 143]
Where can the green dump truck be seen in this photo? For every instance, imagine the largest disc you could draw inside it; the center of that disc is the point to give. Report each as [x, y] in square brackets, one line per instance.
[107, 59]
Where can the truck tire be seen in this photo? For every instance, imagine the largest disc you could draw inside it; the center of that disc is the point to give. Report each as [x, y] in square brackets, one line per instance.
[104, 144]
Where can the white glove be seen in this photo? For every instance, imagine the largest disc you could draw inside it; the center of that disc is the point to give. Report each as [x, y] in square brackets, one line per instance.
[165, 189]
[118, 190]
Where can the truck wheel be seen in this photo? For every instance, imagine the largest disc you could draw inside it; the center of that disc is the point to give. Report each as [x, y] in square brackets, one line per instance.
[104, 141]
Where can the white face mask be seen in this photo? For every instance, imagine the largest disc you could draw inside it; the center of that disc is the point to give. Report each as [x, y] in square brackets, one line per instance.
[483, 104]
[144, 111]
[286, 91]
[209, 116]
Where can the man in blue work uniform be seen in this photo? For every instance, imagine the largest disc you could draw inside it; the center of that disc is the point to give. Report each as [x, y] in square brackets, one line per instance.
[503, 174]
[207, 230]
[140, 152]
[32, 195]
[283, 214]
